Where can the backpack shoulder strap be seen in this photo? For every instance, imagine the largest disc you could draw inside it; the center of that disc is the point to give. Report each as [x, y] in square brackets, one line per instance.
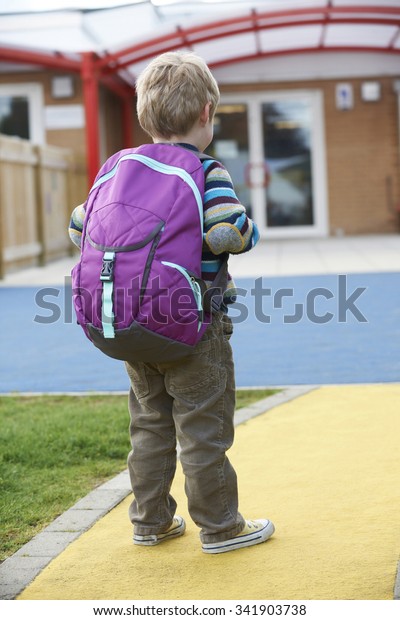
[213, 297]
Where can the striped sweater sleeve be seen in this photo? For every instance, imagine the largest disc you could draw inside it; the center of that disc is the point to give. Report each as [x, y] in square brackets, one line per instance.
[76, 225]
[226, 225]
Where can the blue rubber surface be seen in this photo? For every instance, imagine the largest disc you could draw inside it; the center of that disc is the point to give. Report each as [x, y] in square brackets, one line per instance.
[41, 354]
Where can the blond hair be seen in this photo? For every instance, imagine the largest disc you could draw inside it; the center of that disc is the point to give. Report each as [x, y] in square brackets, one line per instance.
[172, 92]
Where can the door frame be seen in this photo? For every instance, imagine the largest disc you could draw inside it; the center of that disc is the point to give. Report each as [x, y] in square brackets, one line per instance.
[253, 102]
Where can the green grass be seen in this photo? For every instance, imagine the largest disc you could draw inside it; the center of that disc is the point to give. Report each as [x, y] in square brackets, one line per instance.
[54, 450]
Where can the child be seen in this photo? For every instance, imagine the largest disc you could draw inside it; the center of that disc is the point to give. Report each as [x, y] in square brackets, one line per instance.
[192, 400]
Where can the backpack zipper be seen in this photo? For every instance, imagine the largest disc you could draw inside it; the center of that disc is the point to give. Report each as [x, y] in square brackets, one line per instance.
[158, 167]
[193, 285]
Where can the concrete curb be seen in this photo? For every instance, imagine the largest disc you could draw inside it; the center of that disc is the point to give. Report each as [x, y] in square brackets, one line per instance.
[21, 568]
[396, 593]
[264, 405]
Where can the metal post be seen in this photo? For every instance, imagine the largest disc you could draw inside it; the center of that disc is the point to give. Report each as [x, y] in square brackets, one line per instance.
[91, 100]
[2, 262]
[396, 88]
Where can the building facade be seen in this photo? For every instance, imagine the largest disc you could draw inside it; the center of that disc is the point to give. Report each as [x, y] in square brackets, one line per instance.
[309, 132]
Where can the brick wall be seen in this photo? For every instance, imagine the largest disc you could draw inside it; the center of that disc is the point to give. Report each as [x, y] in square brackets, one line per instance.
[363, 161]
[362, 148]
[362, 155]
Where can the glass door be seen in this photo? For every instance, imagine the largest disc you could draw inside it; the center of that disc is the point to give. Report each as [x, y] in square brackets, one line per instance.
[230, 146]
[273, 146]
[287, 152]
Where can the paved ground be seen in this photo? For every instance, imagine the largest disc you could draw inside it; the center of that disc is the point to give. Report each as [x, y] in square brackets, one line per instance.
[325, 312]
[324, 466]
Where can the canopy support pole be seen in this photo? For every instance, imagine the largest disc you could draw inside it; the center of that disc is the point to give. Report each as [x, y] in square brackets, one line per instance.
[90, 83]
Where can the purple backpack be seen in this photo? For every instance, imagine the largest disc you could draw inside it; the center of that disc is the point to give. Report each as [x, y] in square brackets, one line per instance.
[137, 289]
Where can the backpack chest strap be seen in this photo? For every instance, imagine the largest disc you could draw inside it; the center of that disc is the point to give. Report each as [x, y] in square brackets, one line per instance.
[107, 278]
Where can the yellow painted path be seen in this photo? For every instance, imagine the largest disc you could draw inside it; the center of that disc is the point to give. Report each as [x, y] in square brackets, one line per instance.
[324, 467]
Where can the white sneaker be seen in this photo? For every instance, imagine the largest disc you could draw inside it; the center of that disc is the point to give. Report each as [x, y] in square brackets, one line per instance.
[253, 533]
[177, 528]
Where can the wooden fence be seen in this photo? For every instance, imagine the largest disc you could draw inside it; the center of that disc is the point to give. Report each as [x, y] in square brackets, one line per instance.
[39, 187]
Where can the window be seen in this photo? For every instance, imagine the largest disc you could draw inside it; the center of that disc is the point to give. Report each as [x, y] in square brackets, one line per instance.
[21, 111]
